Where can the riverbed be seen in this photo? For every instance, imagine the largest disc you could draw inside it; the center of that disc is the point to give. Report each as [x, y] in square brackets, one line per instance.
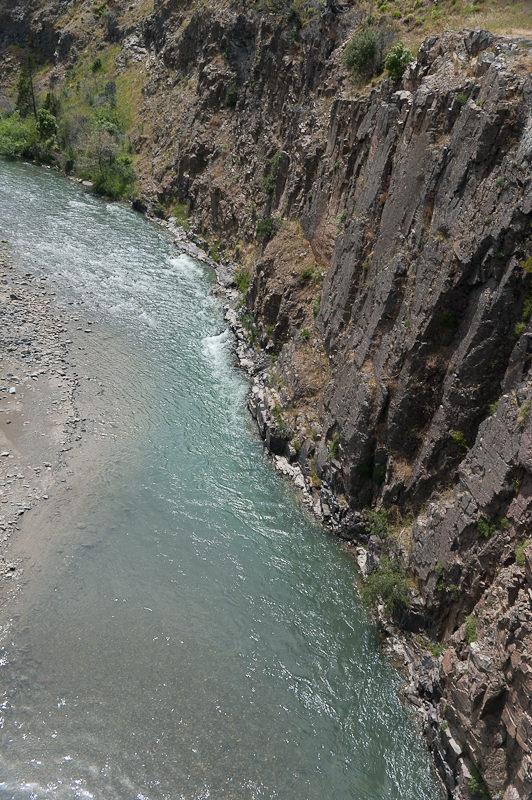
[184, 628]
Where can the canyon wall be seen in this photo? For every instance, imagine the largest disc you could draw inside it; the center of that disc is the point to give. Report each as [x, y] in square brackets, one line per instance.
[384, 233]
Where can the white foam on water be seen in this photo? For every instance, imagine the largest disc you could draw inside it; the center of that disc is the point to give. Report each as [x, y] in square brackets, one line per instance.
[186, 265]
[215, 348]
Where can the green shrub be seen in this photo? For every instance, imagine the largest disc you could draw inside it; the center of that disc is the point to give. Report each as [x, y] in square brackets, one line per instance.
[248, 322]
[297, 446]
[180, 212]
[312, 274]
[232, 95]
[115, 178]
[293, 17]
[448, 321]
[470, 629]
[363, 54]
[283, 427]
[524, 413]
[316, 306]
[17, 135]
[397, 60]
[334, 446]
[243, 278]
[526, 264]
[47, 127]
[461, 99]
[520, 553]
[519, 329]
[493, 407]
[377, 521]
[438, 569]
[266, 227]
[107, 119]
[500, 182]
[270, 180]
[526, 314]
[460, 439]
[293, 37]
[98, 11]
[305, 334]
[316, 481]
[340, 220]
[159, 210]
[96, 64]
[268, 184]
[379, 474]
[363, 470]
[486, 528]
[388, 582]
[477, 785]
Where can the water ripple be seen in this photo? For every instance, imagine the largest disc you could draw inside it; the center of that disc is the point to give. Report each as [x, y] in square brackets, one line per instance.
[209, 641]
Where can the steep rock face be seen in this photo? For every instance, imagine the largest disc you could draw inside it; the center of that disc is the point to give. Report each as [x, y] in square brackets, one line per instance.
[463, 555]
[29, 27]
[487, 695]
[425, 289]
[412, 203]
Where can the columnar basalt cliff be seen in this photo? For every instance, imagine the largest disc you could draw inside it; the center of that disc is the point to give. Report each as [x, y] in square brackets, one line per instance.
[383, 235]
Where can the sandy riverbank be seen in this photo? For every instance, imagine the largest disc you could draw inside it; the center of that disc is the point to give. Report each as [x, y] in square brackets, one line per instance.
[41, 426]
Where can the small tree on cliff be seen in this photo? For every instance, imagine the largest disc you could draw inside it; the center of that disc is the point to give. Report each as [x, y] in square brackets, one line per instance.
[25, 91]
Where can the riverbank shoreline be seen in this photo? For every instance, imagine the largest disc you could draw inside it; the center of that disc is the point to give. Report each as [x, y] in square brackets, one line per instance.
[44, 423]
[59, 380]
[33, 370]
[409, 654]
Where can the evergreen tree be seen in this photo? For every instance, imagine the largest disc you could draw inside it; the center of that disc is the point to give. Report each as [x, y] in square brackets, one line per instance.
[26, 95]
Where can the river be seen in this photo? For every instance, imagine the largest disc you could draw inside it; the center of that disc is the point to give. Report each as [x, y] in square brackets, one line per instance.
[194, 633]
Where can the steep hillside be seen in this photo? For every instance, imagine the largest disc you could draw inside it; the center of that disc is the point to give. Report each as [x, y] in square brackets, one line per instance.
[383, 235]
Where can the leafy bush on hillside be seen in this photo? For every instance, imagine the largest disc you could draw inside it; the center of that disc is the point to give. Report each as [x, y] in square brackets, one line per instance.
[389, 583]
[363, 54]
[397, 60]
[17, 135]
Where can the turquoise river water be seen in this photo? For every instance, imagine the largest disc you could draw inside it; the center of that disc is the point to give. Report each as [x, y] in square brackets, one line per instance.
[205, 638]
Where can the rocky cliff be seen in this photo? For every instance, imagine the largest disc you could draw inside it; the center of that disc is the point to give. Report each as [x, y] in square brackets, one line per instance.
[383, 236]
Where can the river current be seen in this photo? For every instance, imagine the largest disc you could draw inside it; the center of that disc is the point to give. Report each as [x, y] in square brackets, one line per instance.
[204, 638]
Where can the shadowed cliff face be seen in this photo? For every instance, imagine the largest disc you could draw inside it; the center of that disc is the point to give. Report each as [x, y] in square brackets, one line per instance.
[388, 236]
[425, 289]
